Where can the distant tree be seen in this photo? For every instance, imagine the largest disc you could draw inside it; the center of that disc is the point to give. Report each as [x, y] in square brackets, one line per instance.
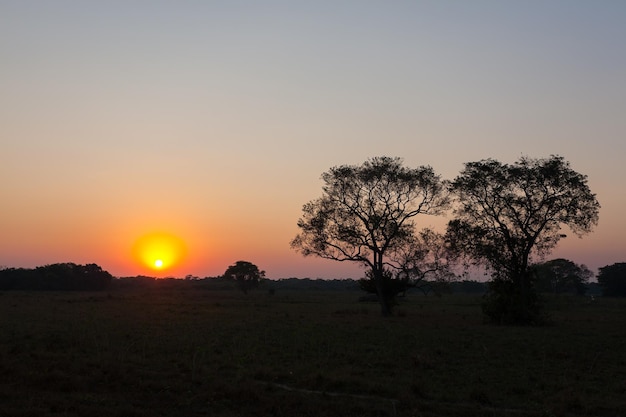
[561, 275]
[56, 277]
[612, 279]
[70, 276]
[506, 214]
[468, 287]
[246, 274]
[366, 215]
[17, 279]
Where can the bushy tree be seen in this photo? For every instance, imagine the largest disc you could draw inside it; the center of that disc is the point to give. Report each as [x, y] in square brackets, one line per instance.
[562, 276]
[612, 279]
[56, 277]
[366, 215]
[246, 274]
[506, 214]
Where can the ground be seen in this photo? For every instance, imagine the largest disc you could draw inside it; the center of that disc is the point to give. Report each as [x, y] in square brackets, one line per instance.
[309, 353]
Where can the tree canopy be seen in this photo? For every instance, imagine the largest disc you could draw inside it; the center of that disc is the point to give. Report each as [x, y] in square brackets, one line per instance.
[559, 276]
[506, 214]
[612, 279]
[246, 274]
[366, 215]
[56, 277]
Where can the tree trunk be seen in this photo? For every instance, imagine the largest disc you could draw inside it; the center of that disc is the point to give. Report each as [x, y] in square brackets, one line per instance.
[385, 305]
[526, 298]
[523, 301]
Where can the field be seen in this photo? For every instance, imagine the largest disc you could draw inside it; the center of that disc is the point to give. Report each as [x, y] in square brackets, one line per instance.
[220, 353]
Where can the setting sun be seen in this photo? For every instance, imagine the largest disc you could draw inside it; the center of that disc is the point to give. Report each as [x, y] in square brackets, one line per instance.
[159, 251]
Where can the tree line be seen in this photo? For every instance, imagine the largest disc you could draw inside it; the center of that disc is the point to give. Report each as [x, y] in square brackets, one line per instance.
[56, 277]
[557, 276]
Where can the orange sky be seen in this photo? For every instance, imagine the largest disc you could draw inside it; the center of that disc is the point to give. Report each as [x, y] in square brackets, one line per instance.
[214, 123]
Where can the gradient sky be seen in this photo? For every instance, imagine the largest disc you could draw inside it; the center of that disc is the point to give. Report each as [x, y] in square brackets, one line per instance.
[213, 120]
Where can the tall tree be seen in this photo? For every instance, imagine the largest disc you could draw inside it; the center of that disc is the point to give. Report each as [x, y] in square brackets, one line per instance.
[366, 215]
[508, 213]
[612, 279]
[246, 274]
[562, 275]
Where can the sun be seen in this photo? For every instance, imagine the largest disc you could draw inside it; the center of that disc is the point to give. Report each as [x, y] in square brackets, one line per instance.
[159, 251]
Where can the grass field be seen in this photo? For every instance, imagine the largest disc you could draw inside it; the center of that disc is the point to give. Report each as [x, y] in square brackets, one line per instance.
[220, 353]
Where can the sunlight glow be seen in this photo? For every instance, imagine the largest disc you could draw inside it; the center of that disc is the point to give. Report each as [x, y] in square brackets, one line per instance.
[159, 251]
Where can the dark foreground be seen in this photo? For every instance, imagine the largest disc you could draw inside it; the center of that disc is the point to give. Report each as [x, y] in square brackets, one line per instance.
[219, 353]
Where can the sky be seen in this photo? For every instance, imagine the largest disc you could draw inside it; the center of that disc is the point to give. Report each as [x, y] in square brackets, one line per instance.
[212, 121]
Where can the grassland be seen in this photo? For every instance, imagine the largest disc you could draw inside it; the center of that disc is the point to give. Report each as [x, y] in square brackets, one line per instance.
[220, 353]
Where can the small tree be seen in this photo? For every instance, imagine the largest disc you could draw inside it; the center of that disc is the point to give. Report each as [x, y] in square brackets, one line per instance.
[366, 215]
[246, 274]
[612, 279]
[506, 214]
[561, 275]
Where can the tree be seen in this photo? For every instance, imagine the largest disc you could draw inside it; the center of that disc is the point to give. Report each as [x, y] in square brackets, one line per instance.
[612, 279]
[366, 215]
[561, 275]
[508, 214]
[56, 277]
[246, 274]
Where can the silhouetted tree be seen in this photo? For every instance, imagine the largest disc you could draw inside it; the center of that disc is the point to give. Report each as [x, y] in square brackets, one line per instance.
[561, 275]
[17, 279]
[612, 279]
[508, 213]
[366, 215]
[246, 274]
[56, 277]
